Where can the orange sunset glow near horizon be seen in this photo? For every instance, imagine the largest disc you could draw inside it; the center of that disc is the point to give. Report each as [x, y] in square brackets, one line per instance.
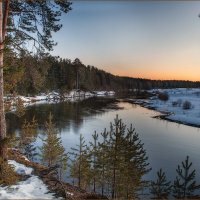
[147, 39]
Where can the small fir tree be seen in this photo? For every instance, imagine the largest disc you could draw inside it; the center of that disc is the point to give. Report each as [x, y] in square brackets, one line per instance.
[52, 151]
[80, 168]
[185, 184]
[94, 155]
[161, 188]
[29, 132]
[102, 162]
[20, 109]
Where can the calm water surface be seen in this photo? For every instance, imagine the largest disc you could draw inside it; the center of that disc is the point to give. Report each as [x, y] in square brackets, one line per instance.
[167, 143]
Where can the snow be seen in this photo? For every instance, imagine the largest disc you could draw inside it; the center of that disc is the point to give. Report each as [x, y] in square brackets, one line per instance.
[32, 188]
[176, 112]
[20, 168]
[53, 97]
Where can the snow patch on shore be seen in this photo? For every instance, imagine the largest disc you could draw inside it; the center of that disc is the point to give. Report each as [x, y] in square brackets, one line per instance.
[174, 105]
[32, 188]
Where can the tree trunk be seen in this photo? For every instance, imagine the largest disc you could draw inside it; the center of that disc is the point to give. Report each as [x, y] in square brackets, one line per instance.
[3, 153]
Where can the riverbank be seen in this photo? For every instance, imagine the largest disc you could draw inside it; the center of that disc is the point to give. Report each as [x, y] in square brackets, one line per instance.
[181, 105]
[40, 183]
[53, 97]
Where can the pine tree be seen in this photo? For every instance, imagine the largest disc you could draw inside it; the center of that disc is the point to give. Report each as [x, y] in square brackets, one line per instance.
[27, 137]
[102, 161]
[116, 158]
[94, 155]
[20, 109]
[185, 184]
[8, 176]
[161, 188]
[126, 160]
[20, 23]
[80, 168]
[52, 151]
[135, 163]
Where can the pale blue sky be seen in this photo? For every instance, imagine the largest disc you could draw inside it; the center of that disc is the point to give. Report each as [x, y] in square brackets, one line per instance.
[150, 39]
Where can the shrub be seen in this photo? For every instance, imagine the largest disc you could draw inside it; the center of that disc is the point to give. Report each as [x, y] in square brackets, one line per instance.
[174, 103]
[179, 102]
[163, 96]
[187, 105]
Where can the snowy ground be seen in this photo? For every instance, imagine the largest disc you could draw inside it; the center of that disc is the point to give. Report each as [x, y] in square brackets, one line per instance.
[32, 188]
[54, 97]
[174, 105]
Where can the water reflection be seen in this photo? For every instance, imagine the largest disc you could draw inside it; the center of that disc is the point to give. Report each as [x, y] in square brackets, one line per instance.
[66, 114]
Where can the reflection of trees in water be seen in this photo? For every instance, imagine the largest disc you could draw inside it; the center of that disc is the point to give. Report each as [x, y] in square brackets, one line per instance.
[65, 114]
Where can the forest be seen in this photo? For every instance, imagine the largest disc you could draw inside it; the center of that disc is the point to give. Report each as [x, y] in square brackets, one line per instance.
[33, 74]
[113, 164]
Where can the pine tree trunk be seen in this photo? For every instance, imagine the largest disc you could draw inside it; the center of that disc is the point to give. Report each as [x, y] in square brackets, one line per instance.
[3, 153]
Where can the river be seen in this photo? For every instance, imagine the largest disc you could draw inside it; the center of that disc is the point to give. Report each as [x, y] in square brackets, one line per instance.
[166, 143]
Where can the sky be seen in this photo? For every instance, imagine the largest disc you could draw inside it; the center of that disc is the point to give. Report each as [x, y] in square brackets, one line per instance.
[146, 39]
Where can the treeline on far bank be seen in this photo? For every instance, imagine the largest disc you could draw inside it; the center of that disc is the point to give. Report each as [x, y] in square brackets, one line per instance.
[33, 74]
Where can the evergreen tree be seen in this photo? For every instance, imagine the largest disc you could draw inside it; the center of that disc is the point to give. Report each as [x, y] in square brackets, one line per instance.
[116, 156]
[122, 160]
[94, 155]
[80, 168]
[20, 23]
[20, 109]
[8, 176]
[135, 163]
[27, 136]
[161, 188]
[185, 184]
[102, 162]
[52, 151]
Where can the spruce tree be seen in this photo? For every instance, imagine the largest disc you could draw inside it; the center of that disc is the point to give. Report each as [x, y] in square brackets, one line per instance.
[161, 188]
[52, 151]
[185, 184]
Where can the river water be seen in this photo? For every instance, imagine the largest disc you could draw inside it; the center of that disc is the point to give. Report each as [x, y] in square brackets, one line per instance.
[166, 143]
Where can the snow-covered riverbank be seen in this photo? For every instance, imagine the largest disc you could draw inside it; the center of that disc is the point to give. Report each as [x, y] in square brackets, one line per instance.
[183, 105]
[53, 97]
[32, 188]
